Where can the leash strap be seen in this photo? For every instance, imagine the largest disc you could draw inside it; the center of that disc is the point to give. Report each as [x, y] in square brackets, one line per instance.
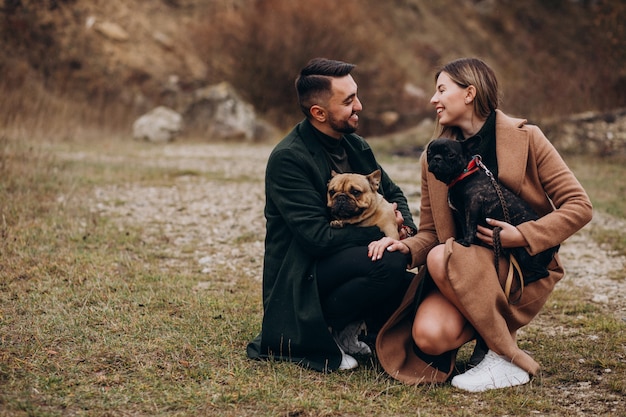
[514, 266]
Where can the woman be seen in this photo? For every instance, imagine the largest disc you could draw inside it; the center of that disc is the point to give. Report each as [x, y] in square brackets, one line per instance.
[459, 296]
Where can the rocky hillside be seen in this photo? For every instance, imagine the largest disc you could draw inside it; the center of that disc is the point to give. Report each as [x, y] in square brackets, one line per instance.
[102, 63]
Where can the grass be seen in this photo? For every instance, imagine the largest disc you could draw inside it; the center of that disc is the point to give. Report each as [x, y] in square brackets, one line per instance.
[604, 182]
[95, 321]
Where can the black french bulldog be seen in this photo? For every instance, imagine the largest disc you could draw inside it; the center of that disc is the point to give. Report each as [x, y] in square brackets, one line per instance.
[473, 198]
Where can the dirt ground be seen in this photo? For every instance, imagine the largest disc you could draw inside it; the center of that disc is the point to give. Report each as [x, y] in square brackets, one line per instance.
[221, 201]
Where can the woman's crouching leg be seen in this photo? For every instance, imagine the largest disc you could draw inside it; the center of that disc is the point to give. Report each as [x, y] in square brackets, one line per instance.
[439, 327]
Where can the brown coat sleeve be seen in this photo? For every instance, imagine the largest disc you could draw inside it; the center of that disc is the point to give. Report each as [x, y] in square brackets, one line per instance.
[555, 193]
[426, 238]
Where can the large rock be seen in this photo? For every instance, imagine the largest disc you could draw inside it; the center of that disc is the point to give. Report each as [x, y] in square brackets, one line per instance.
[161, 124]
[591, 133]
[218, 113]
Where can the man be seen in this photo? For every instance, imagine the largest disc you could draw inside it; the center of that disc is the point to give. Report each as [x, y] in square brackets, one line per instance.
[319, 284]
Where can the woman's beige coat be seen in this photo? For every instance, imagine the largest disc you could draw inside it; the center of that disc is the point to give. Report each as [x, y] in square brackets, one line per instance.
[529, 165]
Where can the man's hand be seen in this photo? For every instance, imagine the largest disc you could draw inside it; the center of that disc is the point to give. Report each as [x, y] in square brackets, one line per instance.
[402, 230]
[399, 218]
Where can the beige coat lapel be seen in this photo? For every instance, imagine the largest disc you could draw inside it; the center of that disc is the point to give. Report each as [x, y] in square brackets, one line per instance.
[511, 151]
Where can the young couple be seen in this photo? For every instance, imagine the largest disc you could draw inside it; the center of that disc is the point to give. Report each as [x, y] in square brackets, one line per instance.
[322, 287]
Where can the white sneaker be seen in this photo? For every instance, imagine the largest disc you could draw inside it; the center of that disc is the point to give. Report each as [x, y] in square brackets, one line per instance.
[493, 372]
[348, 339]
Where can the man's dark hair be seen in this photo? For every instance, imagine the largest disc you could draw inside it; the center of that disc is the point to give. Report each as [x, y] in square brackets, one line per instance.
[314, 82]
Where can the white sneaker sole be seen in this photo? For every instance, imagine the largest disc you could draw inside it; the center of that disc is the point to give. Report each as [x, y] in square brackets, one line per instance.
[504, 382]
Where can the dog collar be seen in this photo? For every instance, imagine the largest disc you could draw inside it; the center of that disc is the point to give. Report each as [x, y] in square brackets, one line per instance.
[471, 168]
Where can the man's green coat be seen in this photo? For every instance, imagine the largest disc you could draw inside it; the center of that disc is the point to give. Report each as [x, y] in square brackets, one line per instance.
[297, 234]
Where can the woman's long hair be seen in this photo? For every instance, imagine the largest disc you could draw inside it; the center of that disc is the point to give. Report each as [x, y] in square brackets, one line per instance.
[471, 71]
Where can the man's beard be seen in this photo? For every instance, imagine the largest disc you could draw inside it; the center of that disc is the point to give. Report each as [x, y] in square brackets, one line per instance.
[342, 126]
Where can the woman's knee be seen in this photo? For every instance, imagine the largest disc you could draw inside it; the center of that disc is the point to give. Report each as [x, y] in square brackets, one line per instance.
[438, 326]
[428, 337]
[428, 328]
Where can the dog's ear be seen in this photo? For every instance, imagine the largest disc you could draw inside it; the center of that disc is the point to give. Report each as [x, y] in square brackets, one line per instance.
[374, 179]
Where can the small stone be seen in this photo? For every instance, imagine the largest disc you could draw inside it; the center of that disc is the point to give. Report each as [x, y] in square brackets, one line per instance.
[600, 299]
[205, 260]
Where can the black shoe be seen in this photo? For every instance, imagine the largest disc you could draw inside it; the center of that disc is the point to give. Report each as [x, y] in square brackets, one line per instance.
[441, 362]
[480, 350]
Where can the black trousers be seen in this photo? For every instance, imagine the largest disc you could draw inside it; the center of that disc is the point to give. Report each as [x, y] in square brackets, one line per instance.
[352, 287]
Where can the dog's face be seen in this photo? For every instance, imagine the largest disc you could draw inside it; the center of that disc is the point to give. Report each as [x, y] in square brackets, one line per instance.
[446, 159]
[353, 195]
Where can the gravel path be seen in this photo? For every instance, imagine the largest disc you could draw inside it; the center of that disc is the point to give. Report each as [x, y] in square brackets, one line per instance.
[221, 202]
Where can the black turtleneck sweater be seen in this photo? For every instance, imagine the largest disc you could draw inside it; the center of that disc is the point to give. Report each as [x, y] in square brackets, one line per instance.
[335, 152]
[483, 143]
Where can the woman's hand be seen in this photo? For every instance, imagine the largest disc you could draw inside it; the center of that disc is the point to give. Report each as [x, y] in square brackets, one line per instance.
[377, 248]
[510, 236]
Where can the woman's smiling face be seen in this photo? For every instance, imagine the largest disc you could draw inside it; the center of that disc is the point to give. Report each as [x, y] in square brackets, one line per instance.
[450, 102]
